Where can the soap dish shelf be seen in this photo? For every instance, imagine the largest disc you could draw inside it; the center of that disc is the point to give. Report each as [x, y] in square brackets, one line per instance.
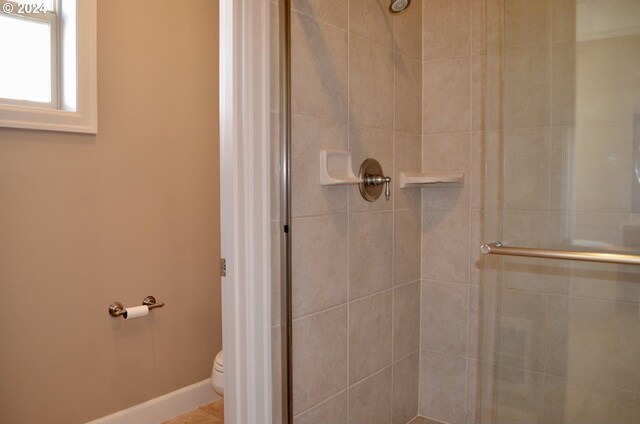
[431, 179]
[336, 169]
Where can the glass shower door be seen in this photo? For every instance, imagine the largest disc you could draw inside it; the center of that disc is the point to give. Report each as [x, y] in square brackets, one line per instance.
[562, 338]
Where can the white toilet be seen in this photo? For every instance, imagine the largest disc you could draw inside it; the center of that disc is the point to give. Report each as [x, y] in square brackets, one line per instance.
[217, 374]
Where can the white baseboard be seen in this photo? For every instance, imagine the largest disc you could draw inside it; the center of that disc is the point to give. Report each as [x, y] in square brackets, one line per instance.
[165, 407]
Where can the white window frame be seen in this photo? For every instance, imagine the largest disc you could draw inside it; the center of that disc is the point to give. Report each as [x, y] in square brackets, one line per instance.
[53, 117]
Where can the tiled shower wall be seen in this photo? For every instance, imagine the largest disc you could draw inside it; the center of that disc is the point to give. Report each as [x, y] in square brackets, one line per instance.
[460, 133]
[356, 86]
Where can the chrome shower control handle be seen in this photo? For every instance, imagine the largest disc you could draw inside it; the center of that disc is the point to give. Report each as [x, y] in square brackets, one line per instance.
[372, 181]
[387, 188]
[375, 180]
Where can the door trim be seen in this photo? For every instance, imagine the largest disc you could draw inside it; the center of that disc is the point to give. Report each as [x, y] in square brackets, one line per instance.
[245, 207]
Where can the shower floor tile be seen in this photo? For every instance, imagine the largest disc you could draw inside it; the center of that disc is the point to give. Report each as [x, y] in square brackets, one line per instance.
[212, 413]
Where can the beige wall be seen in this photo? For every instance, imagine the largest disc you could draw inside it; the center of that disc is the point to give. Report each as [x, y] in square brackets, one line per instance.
[86, 220]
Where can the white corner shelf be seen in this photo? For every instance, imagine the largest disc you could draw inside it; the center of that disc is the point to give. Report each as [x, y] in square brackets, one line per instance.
[336, 168]
[431, 179]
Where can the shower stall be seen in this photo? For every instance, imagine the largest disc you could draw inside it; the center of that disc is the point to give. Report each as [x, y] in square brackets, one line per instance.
[405, 136]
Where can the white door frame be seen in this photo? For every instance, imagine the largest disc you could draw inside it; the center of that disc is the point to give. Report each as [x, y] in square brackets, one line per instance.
[245, 207]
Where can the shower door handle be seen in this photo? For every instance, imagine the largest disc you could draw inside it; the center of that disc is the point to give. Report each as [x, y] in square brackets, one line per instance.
[496, 248]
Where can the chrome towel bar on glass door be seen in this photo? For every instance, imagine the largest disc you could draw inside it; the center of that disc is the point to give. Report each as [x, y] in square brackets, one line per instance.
[496, 248]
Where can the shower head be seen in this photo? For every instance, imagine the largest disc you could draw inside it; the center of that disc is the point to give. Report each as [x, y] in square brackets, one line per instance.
[398, 6]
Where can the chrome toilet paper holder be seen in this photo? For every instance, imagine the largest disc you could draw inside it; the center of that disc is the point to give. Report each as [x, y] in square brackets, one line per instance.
[117, 309]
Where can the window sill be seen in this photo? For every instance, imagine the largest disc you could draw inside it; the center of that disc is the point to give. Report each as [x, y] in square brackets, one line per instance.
[40, 118]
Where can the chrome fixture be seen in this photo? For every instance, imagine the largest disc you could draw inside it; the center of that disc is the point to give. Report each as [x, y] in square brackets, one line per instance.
[117, 309]
[398, 6]
[286, 246]
[496, 248]
[372, 181]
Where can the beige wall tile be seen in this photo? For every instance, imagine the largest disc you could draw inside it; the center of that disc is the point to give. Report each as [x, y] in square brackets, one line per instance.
[488, 326]
[474, 342]
[527, 168]
[370, 400]
[446, 96]
[319, 69]
[445, 245]
[332, 411]
[408, 95]
[319, 263]
[443, 381]
[406, 319]
[495, 32]
[406, 246]
[563, 398]
[310, 136]
[486, 92]
[520, 395]
[489, 385]
[370, 327]
[372, 20]
[319, 357]
[408, 31]
[530, 227]
[474, 394]
[584, 341]
[370, 83]
[478, 27]
[407, 157]
[561, 165]
[563, 83]
[478, 237]
[604, 404]
[332, 12]
[563, 20]
[447, 152]
[486, 170]
[405, 389]
[370, 253]
[527, 102]
[605, 281]
[364, 143]
[446, 28]
[477, 180]
[444, 317]
[527, 22]
[522, 330]
[493, 94]
[478, 92]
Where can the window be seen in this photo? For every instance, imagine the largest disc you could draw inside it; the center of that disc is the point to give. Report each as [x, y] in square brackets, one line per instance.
[48, 65]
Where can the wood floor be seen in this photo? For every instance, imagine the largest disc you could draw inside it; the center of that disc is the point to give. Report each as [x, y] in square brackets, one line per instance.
[212, 413]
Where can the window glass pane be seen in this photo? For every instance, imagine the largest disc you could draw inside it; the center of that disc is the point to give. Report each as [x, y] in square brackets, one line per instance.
[25, 59]
[48, 4]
